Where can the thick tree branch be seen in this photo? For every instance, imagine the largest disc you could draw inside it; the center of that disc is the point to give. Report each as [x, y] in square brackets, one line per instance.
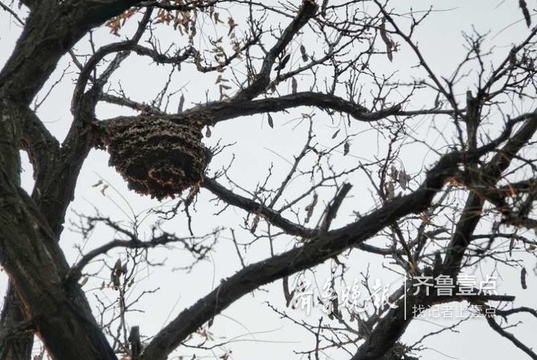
[228, 110]
[6, 332]
[44, 295]
[518, 310]
[391, 323]
[273, 217]
[16, 345]
[519, 344]
[490, 174]
[91, 65]
[43, 149]
[307, 11]
[48, 34]
[61, 316]
[310, 254]
[333, 208]
[133, 243]
[50, 31]
[251, 206]
[470, 217]
[223, 110]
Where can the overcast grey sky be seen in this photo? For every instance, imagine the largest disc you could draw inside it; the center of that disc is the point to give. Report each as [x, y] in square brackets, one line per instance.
[257, 330]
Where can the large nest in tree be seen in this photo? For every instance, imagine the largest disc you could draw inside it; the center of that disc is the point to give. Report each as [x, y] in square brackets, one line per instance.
[156, 156]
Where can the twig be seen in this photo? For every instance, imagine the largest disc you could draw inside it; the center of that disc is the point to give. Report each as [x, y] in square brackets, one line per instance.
[13, 13]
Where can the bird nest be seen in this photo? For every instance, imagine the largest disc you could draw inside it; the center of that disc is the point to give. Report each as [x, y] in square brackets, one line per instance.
[157, 157]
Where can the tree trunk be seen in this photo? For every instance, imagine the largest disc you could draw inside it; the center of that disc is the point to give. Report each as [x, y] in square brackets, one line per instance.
[29, 251]
[17, 345]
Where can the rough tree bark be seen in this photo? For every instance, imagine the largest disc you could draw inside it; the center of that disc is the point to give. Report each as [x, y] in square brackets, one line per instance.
[59, 314]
